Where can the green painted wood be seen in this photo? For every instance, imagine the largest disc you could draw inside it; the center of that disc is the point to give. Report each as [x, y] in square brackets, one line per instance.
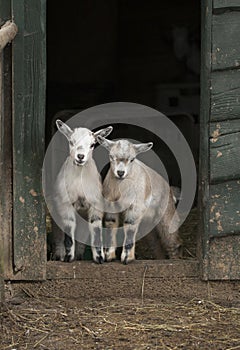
[206, 9]
[224, 127]
[225, 151]
[225, 40]
[218, 4]
[29, 69]
[225, 209]
[225, 95]
[5, 152]
[5, 11]
[220, 111]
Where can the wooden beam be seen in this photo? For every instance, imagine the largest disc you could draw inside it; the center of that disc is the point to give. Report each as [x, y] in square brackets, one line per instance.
[29, 69]
[206, 44]
[115, 270]
[225, 40]
[218, 4]
[225, 151]
[6, 200]
[225, 95]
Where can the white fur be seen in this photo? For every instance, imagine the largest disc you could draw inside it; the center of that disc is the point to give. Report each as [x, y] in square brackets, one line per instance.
[79, 182]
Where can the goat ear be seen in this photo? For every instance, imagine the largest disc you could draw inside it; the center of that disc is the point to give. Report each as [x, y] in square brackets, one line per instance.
[64, 128]
[103, 132]
[143, 147]
[105, 143]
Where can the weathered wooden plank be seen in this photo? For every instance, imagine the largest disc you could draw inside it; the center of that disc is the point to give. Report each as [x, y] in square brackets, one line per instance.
[224, 127]
[6, 149]
[217, 4]
[116, 270]
[225, 95]
[206, 25]
[225, 209]
[29, 69]
[225, 151]
[224, 258]
[225, 40]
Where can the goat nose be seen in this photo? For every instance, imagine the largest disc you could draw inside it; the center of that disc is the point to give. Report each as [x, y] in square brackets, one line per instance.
[80, 156]
[120, 173]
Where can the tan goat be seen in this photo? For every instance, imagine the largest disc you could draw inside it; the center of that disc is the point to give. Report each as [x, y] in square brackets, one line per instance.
[136, 193]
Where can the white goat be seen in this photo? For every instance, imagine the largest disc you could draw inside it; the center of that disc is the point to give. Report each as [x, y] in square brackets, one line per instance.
[148, 196]
[78, 186]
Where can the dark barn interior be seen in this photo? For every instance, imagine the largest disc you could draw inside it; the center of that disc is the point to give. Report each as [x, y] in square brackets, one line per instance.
[117, 50]
[146, 52]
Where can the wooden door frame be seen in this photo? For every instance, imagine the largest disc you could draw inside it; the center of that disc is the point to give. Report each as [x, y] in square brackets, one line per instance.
[219, 187]
[23, 142]
[23, 128]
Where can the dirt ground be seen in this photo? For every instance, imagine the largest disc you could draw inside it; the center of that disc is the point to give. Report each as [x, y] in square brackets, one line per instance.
[173, 313]
[124, 311]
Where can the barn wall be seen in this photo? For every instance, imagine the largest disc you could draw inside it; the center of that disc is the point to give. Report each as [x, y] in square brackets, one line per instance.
[28, 130]
[221, 122]
[6, 199]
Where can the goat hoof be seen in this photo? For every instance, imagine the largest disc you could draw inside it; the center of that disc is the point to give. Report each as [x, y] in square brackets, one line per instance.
[69, 258]
[110, 257]
[99, 260]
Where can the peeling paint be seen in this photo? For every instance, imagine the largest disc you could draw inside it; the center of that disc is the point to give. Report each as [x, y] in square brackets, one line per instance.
[33, 193]
[219, 226]
[219, 154]
[215, 196]
[212, 208]
[27, 178]
[215, 134]
[22, 200]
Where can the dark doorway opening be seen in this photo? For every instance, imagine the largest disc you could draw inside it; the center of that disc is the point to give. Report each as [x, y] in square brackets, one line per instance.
[119, 50]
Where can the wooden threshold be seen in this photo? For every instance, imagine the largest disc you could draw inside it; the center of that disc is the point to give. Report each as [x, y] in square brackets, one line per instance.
[116, 270]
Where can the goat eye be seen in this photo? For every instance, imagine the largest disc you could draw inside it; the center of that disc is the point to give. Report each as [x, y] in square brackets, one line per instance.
[132, 160]
[92, 145]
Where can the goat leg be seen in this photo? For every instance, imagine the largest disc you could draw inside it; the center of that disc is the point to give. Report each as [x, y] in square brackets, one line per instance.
[111, 222]
[95, 222]
[128, 251]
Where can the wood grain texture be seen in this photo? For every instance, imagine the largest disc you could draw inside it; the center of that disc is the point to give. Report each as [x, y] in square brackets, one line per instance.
[224, 127]
[225, 151]
[225, 209]
[217, 4]
[225, 95]
[29, 70]
[224, 258]
[6, 149]
[225, 40]
[206, 8]
[117, 271]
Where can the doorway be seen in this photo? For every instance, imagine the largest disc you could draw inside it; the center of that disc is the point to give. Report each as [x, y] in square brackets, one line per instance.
[131, 51]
